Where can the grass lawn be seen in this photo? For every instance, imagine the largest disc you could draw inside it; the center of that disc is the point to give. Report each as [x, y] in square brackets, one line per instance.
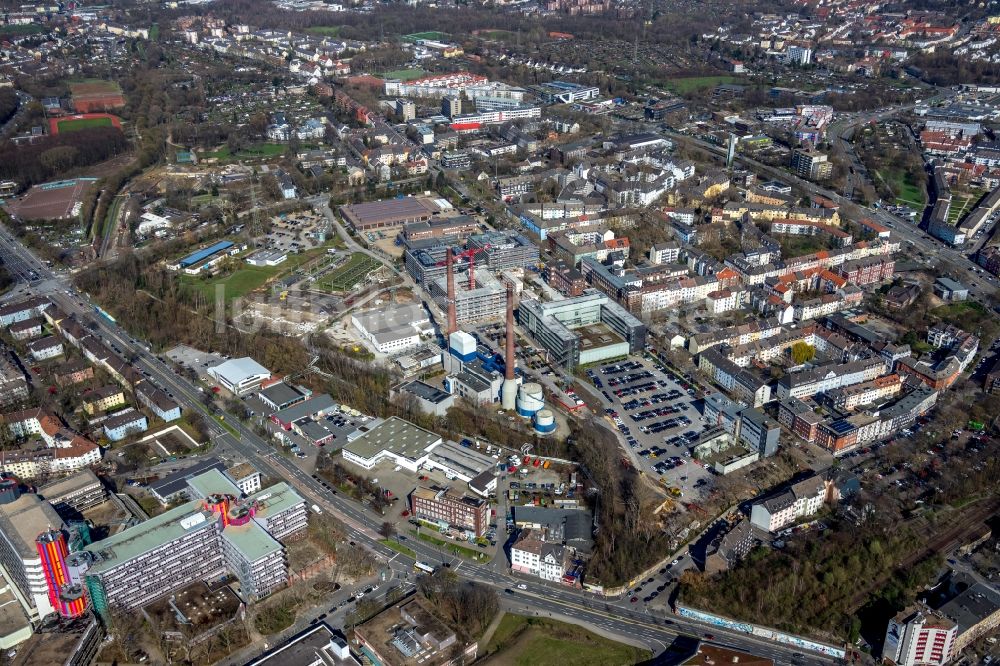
[404, 74]
[398, 547]
[18, 30]
[66, 126]
[959, 205]
[264, 149]
[325, 30]
[908, 191]
[259, 150]
[688, 84]
[971, 316]
[497, 35]
[205, 200]
[796, 246]
[451, 546]
[523, 641]
[246, 278]
[963, 203]
[348, 275]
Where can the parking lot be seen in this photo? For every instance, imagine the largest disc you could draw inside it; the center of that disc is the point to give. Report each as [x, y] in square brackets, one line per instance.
[197, 360]
[657, 417]
[293, 232]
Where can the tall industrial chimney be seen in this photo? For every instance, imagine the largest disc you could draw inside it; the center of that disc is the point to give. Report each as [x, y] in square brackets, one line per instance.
[509, 356]
[452, 316]
[508, 392]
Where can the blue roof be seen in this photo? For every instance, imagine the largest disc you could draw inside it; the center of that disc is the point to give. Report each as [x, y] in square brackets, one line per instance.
[200, 255]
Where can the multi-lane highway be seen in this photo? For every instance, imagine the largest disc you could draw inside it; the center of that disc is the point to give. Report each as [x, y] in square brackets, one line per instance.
[615, 617]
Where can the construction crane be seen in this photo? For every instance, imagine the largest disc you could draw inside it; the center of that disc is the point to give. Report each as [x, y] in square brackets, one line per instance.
[469, 254]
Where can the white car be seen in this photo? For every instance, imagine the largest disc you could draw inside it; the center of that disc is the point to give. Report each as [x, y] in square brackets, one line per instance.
[522, 586]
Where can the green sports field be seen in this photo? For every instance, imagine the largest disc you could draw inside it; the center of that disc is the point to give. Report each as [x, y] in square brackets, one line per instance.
[694, 83]
[83, 123]
[433, 35]
[325, 30]
[404, 74]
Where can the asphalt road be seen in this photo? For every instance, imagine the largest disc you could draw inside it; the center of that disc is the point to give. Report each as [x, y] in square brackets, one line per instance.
[617, 617]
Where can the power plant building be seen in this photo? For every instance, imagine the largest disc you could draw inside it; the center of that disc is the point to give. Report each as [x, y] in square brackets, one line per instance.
[484, 302]
[579, 331]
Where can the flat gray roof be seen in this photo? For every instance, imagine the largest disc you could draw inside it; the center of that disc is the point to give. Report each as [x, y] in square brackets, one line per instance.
[178, 481]
[281, 393]
[22, 520]
[300, 410]
[306, 650]
[62, 487]
[395, 435]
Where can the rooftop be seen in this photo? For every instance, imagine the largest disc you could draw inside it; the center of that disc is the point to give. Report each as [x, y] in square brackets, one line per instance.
[153, 533]
[240, 369]
[281, 393]
[395, 435]
[306, 408]
[85, 478]
[310, 649]
[22, 520]
[176, 482]
[972, 606]
[212, 482]
[425, 392]
[251, 540]
[276, 499]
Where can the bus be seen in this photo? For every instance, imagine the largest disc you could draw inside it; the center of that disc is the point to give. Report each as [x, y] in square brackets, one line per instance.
[423, 567]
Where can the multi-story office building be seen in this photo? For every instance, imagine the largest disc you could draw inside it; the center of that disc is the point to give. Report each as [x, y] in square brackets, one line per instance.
[203, 539]
[75, 493]
[165, 553]
[919, 636]
[759, 431]
[808, 163]
[582, 330]
[441, 505]
[504, 250]
[22, 519]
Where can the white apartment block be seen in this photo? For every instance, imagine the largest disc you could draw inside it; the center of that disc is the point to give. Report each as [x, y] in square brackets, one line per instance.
[803, 499]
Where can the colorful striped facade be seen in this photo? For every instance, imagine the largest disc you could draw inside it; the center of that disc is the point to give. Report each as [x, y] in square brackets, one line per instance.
[65, 594]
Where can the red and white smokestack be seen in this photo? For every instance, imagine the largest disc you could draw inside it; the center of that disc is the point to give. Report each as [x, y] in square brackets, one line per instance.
[452, 316]
[508, 392]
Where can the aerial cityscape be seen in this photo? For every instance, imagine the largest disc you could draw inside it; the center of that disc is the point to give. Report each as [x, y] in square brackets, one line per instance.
[590, 332]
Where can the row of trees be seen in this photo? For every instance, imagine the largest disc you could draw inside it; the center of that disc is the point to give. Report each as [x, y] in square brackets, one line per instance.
[8, 104]
[627, 541]
[813, 584]
[466, 607]
[40, 160]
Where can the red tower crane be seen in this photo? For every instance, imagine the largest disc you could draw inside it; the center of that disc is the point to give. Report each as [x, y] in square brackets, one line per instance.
[469, 254]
